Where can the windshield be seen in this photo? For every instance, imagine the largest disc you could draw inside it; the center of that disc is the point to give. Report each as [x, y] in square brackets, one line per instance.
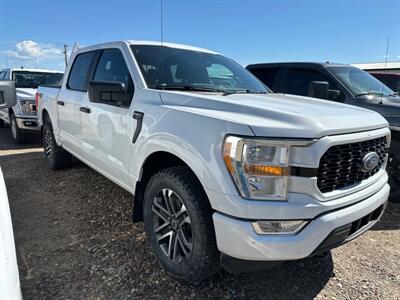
[27, 79]
[171, 68]
[360, 82]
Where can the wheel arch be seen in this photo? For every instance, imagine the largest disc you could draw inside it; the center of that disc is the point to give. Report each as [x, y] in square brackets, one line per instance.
[153, 163]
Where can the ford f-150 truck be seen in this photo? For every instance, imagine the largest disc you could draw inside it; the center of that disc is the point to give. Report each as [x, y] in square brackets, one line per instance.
[22, 116]
[340, 83]
[223, 172]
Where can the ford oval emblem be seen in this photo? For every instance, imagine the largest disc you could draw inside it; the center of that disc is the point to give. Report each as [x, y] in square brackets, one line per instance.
[370, 161]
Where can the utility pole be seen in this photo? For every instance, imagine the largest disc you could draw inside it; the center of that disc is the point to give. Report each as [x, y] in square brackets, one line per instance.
[65, 54]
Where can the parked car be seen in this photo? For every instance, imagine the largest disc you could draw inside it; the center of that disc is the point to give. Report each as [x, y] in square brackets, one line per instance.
[22, 117]
[340, 83]
[222, 171]
[392, 80]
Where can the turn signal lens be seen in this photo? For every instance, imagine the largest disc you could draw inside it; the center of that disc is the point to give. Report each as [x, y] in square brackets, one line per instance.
[259, 170]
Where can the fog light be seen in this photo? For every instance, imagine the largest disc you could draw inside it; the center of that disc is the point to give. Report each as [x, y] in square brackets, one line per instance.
[279, 227]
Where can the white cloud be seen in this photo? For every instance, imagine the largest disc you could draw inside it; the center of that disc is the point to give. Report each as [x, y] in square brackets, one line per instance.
[31, 50]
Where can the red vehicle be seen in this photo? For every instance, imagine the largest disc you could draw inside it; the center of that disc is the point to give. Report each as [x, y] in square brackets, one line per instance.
[390, 79]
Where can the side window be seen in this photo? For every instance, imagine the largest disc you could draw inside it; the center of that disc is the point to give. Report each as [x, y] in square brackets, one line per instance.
[299, 81]
[112, 67]
[266, 75]
[2, 73]
[7, 75]
[79, 74]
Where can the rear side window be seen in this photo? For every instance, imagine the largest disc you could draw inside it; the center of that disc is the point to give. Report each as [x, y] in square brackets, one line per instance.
[79, 75]
[266, 75]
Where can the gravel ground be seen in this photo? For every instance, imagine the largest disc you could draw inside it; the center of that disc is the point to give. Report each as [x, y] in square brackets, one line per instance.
[75, 239]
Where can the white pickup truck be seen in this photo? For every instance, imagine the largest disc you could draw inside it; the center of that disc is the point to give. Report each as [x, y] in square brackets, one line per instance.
[22, 117]
[223, 171]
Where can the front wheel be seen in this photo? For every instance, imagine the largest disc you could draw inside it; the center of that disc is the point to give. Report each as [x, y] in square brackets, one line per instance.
[17, 135]
[55, 155]
[178, 224]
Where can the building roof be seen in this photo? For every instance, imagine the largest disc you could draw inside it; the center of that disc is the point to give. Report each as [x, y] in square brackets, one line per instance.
[379, 65]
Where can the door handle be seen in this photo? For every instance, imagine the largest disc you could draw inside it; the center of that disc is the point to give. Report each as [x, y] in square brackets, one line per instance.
[85, 110]
[62, 103]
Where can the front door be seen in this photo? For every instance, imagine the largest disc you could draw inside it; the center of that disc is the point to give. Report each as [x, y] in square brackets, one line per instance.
[106, 135]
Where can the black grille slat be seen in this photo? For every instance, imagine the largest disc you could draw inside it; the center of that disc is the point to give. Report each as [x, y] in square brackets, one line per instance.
[340, 166]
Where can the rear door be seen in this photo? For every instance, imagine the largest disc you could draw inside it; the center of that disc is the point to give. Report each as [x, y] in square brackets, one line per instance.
[269, 76]
[70, 99]
[105, 125]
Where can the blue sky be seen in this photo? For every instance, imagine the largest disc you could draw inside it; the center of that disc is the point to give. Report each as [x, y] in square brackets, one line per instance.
[33, 32]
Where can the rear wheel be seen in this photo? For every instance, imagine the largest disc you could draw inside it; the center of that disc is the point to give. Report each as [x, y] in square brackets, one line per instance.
[2, 123]
[178, 224]
[17, 135]
[55, 155]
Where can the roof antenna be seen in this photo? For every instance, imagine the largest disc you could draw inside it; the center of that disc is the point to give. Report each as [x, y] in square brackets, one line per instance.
[385, 72]
[162, 22]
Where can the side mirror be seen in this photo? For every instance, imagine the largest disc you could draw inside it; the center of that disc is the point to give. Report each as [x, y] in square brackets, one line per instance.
[8, 95]
[105, 91]
[318, 89]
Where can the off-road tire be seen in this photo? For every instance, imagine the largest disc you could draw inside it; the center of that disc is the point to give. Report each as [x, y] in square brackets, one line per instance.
[56, 156]
[203, 260]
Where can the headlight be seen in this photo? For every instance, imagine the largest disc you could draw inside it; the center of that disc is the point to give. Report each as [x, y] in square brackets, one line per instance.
[259, 167]
[27, 106]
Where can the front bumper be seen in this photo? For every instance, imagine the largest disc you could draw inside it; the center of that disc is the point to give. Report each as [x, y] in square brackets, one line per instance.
[30, 124]
[237, 238]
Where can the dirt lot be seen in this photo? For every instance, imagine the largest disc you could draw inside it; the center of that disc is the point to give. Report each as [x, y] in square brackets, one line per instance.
[75, 239]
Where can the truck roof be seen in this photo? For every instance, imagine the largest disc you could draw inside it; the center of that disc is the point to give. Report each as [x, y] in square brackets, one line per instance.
[150, 43]
[297, 64]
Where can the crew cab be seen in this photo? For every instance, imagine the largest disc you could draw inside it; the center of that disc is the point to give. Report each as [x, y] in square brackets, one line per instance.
[344, 84]
[223, 171]
[22, 116]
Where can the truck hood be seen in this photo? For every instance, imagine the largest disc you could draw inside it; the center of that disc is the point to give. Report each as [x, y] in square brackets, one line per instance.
[26, 93]
[277, 115]
[387, 106]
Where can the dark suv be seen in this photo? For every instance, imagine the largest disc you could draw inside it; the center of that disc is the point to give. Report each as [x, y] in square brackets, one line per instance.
[341, 83]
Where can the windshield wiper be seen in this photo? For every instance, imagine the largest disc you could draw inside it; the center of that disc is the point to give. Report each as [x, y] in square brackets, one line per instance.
[227, 93]
[189, 88]
[369, 93]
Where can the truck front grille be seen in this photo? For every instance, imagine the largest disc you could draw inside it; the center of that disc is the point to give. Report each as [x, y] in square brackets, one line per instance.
[341, 165]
